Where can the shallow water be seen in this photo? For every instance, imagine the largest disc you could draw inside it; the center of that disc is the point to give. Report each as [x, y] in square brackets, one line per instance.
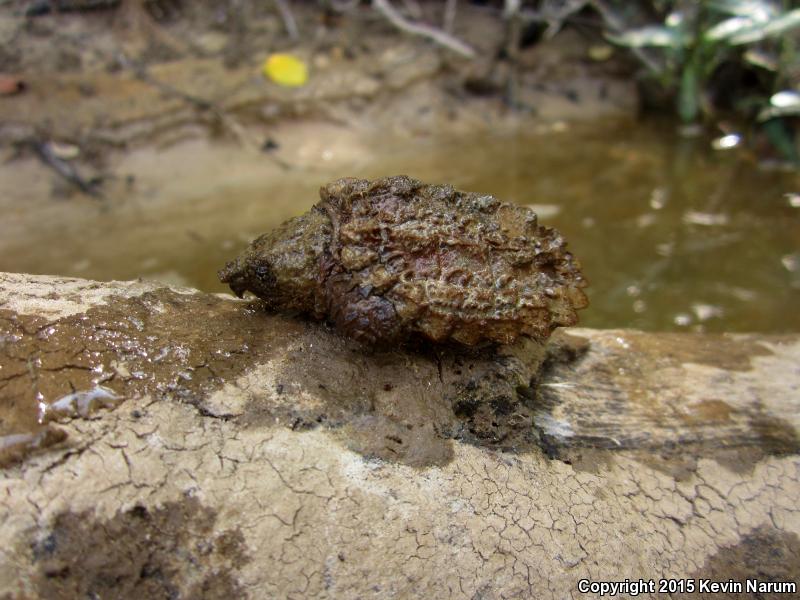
[672, 235]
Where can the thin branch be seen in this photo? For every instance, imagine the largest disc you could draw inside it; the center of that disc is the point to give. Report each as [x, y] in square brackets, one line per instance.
[223, 117]
[437, 35]
[615, 24]
[511, 8]
[513, 37]
[450, 15]
[288, 19]
[343, 6]
[413, 8]
[64, 169]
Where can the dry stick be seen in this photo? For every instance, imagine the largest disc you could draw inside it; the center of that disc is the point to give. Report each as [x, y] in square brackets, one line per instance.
[222, 116]
[437, 35]
[288, 19]
[64, 169]
[450, 15]
[413, 8]
[344, 5]
[514, 35]
[554, 14]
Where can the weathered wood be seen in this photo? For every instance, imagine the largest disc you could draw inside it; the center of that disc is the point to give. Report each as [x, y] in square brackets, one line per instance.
[667, 391]
[242, 454]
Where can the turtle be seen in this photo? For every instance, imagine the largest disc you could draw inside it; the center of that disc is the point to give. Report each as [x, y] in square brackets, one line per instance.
[394, 258]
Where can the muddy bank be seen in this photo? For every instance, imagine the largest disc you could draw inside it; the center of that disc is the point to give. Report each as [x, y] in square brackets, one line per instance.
[213, 352]
[248, 453]
[134, 78]
[133, 120]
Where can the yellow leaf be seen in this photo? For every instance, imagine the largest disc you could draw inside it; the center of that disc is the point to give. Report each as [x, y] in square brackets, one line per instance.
[286, 70]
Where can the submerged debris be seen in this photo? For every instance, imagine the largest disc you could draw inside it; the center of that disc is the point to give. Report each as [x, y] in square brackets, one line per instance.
[81, 403]
[386, 259]
[49, 154]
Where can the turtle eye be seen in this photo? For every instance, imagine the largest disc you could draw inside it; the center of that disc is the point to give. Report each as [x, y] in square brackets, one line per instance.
[264, 275]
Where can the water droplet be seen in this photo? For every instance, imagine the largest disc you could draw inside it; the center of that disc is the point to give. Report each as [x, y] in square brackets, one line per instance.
[658, 198]
[78, 404]
[726, 142]
[791, 262]
[706, 311]
[674, 19]
[785, 99]
[682, 319]
[41, 409]
[694, 217]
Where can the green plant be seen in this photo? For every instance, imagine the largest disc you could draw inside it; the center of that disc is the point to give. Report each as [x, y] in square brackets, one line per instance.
[695, 38]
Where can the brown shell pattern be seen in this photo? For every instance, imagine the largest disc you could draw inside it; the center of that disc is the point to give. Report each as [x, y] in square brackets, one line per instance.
[396, 257]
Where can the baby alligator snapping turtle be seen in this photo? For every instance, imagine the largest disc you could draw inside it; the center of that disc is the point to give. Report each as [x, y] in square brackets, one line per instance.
[386, 259]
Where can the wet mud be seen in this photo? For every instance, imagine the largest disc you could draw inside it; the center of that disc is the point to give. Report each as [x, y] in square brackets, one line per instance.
[767, 554]
[169, 552]
[237, 361]
[403, 405]
[163, 344]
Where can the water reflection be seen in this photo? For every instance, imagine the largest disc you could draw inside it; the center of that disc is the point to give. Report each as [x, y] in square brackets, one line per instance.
[672, 235]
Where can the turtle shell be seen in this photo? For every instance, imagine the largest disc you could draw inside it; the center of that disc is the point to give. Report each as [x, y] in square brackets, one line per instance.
[388, 259]
[409, 258]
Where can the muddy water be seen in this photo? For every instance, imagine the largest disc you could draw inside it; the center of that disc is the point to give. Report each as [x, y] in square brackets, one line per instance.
[672, 235]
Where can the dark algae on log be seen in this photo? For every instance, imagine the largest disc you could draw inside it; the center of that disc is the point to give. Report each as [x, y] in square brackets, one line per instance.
[387, 259]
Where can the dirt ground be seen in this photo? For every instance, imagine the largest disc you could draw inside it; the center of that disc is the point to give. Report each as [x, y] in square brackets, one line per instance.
[134, 73]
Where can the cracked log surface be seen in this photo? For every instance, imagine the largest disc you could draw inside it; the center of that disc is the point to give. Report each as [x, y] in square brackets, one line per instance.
[226, 452]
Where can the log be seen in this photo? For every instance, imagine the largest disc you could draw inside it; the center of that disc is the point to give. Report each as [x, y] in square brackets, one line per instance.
[163, 442]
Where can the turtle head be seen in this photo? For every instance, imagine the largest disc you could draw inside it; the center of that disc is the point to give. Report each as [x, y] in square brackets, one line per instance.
[282, 267]
[246, 274]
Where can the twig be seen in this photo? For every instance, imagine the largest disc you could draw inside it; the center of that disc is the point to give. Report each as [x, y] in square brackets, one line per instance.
[450, 15]
[554, 13]
[226, 119]
[511, 8]
[288, 19]
[343, 6]
[617, 26]
[413, 8]
[437, 35]
[513, 37]
[64, 169]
